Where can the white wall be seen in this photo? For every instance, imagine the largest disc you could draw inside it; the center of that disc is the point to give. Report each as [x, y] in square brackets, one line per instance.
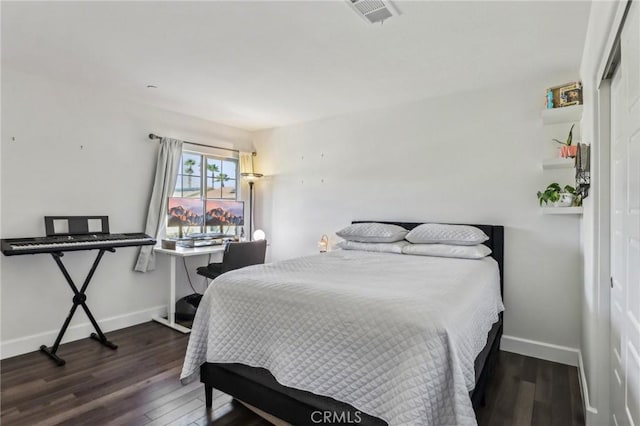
[79, 151]
[604, 20]
[470, 158]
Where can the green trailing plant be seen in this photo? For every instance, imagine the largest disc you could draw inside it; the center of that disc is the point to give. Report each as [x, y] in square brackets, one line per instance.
[569, 138]
[553, 192]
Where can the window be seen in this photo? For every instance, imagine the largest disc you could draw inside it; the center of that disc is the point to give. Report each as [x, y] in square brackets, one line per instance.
[204, 198]
[189, 181]
[221, 178]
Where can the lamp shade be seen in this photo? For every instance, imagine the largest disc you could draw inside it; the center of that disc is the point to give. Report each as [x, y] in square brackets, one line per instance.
[246, 167]
[323, 244]
[251, 176]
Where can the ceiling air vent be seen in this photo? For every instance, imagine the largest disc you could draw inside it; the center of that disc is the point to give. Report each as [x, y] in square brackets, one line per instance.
[374, 10]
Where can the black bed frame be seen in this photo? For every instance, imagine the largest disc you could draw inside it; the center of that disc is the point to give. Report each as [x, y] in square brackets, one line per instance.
[257, 387]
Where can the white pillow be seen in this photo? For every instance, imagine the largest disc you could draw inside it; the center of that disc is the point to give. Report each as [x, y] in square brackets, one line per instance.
[437, 233]
[446, 250]
[395, 247]
[373, 233]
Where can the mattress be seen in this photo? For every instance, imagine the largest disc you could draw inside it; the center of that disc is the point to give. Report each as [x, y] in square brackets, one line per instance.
[257, 386]
[393, 335]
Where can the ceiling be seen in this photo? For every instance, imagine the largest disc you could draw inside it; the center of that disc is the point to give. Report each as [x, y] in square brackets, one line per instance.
[264, 64]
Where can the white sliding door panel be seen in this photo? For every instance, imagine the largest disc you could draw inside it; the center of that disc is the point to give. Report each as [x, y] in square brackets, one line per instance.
[618, 253]
[625, 227]
[631, 53]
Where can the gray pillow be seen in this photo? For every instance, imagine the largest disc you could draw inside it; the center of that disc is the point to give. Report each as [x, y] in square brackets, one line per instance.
[373, 233]
[437, 233]
[395, 247]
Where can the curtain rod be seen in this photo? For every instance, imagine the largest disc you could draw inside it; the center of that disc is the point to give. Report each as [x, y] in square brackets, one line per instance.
[153, 136]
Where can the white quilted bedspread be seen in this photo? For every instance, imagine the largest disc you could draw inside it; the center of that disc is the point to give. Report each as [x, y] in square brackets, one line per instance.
[393, 335]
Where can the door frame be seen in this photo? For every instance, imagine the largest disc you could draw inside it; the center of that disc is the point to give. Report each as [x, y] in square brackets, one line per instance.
[601, 183]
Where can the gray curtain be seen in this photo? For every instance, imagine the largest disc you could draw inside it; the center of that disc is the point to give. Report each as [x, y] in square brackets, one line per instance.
[165, 182]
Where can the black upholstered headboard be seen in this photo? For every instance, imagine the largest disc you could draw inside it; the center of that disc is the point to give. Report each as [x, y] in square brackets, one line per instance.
[495, 241]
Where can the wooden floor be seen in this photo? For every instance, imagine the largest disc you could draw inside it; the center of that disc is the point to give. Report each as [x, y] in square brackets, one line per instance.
[528, 391]
[138, 385]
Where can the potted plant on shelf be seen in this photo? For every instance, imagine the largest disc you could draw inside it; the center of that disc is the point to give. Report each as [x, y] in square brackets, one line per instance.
[557, 196]
[568, 150]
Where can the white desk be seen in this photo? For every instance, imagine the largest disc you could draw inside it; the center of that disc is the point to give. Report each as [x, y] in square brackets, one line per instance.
[170, 321]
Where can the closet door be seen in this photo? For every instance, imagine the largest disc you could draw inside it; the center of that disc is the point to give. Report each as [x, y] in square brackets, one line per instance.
[625, 227]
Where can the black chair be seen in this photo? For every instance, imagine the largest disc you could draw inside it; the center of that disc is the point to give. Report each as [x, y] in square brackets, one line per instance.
[236, 256]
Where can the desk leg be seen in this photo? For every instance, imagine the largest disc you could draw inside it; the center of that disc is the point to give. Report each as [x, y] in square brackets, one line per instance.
[170, 321]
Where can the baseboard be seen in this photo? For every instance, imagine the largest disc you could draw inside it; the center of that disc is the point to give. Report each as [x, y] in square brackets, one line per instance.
[31, 343]
[591, 413]
[541, 350]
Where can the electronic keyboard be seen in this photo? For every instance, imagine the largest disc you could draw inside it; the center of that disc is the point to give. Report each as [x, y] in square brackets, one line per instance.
[54, 244]
[72, 233]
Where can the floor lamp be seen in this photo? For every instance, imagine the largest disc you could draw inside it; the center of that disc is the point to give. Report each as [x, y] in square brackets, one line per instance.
[251, 176]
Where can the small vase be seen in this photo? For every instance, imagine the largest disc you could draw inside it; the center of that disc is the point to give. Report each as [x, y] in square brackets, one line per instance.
[569, 151]
[566, 200]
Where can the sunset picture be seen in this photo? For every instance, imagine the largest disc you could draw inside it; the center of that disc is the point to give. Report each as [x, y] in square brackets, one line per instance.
[224, 213]
[184, 212]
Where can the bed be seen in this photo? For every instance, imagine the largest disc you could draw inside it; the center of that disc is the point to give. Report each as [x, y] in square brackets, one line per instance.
[316, 335]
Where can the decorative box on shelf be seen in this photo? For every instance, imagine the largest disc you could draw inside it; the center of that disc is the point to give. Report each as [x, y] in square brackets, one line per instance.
[564, 95]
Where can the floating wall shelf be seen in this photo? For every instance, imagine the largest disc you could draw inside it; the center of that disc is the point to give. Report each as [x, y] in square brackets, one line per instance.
[561, 210]
[550, 118]
[558, 163]
[562, 115]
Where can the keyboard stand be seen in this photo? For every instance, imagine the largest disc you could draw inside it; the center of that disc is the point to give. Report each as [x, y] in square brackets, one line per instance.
[79, 299]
